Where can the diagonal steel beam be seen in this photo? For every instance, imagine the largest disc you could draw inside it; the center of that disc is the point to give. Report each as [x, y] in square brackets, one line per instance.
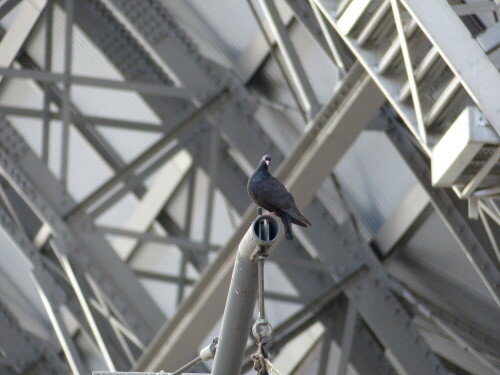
[7, 6]
[403, 222]
[435, 16]
[291, 58]
[148, 154]
[153, 201]
[161, 44]
[91, 253]
[448, 206]
[209, 293]
[18, 32]
[22, 350]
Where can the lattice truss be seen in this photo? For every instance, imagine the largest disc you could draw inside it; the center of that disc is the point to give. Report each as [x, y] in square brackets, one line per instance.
[128, 130]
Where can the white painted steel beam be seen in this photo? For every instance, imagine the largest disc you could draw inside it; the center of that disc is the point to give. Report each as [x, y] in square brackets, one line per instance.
[198, 313]
[90, 253]
[65, 340]
[18, 32]
[478, 76]
[291, 58]
[402, 219]
[447, 206]
[150, 205]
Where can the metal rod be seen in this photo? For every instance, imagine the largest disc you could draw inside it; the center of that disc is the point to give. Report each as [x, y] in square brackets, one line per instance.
[80, 295]
[212, 169]
[188, 365]
[489, 233]
[347, 339]
[325, 352]
[491, 213]
[184, 243]
[188, 221]
[277, 59]
[70, 352]
[66, 103]
[90, 121]
[409, 71]
[328, 37]
[260, 264]
[147, 155]
[241, 299]
[46, 87]
[291, 57]
[47, 76]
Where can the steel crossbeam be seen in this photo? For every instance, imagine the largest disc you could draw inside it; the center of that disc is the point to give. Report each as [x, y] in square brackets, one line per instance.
[211, 293]
[21, 349]
[18, 162]
[78, 80]
[434, 17]
[228, 115]
[447, 205]
[163, 47]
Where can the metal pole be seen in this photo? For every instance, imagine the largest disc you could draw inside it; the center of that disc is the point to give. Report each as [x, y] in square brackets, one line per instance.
[241, 299]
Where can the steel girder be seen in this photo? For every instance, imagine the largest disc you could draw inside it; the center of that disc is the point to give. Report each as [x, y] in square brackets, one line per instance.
[436, 16]
[49, 200]
[178, 57]
[448, 207]
[21, 350]
[194, 147]
[430, 86]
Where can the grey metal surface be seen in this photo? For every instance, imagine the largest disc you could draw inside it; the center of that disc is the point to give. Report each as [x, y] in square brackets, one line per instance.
[22, 350]
[18, 158]
[442, 200]
[242, 296]
[158, 45]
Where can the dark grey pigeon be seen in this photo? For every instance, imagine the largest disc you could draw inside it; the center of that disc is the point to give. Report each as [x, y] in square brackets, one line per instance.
[270, 194]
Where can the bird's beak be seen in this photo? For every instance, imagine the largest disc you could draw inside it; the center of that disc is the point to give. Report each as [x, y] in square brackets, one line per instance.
[267, 162]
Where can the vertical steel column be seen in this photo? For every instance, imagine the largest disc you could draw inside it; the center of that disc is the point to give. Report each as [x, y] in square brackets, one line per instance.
[241, 299]
[47, 67]
[66, 102]
[347, 339]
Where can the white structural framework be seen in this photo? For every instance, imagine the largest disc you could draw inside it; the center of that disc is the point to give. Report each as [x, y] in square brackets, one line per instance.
[128, 130]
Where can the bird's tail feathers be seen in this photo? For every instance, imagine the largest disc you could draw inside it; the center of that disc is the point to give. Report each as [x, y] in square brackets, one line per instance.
[297, 217]
[288, 226]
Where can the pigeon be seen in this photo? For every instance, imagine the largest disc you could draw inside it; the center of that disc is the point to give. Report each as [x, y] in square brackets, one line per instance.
[267, 192]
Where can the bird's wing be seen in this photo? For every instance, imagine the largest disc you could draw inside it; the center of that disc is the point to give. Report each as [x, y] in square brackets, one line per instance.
[277, 195]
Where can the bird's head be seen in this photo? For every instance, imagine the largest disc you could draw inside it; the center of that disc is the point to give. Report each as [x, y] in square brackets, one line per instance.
[266, 159]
